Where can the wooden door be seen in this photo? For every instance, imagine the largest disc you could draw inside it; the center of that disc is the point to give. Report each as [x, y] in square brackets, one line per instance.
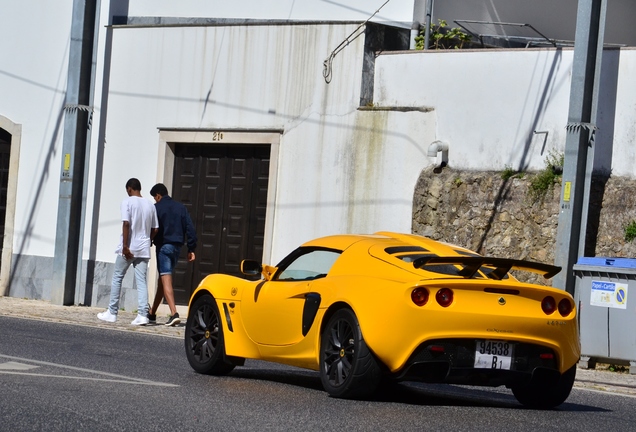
[224, 187]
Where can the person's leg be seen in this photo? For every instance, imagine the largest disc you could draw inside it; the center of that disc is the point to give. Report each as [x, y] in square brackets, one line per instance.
[121, 266]
[167, 260]
[168, 292]
[159, 294]
[158, 298]
[141, 270]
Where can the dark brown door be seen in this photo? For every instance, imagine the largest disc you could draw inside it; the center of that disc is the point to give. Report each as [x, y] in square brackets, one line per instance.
[5, 153]
[225, 190]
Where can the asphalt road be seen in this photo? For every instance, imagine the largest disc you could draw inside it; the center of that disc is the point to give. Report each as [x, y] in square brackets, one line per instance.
[62, 377]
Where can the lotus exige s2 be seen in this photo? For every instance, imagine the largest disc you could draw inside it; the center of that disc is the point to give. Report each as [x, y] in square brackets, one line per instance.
[365, 308]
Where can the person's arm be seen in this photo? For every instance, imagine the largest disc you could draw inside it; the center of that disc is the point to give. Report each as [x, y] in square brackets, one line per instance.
[155, 224]
[126, 240]
[191, 235]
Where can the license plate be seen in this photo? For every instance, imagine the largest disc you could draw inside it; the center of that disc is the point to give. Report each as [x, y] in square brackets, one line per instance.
[491, 354]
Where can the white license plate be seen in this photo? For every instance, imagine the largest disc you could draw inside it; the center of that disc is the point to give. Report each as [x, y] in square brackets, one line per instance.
[490, 354]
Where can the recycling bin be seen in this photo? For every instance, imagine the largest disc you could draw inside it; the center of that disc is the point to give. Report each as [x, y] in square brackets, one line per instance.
[607, 316]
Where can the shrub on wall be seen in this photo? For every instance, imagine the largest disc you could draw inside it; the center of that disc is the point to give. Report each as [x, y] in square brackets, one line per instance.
[441, 37]
[544, 181]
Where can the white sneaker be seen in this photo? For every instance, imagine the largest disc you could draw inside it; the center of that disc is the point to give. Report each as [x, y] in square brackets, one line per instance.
[140, 320]
[107, 316]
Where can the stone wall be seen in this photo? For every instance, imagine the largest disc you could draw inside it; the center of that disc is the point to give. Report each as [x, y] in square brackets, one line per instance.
[497, 217]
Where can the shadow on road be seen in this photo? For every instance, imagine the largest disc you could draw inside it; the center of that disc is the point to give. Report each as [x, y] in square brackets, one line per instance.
[407, 393]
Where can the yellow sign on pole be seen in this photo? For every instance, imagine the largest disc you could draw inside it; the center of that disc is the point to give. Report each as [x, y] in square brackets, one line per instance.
[566, 191]
[67, 162]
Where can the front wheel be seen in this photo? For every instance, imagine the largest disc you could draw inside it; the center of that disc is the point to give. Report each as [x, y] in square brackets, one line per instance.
[546, 396]
[348, 369]
[204, 344]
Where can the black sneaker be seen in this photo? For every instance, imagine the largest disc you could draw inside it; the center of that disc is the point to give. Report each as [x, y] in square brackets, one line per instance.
[152, 318]
[173, 320]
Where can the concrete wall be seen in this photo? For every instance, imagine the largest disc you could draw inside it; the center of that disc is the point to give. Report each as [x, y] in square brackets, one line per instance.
[339, 169]
[489, 104]
[395, 11]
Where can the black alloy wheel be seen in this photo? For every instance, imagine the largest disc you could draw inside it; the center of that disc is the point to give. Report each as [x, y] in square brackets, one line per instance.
[348, 369]
[204, 344]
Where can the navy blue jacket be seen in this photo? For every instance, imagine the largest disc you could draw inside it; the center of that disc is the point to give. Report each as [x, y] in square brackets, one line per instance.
[174, 224]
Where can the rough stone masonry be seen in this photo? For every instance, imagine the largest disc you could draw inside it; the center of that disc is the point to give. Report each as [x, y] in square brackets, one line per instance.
[499, 217]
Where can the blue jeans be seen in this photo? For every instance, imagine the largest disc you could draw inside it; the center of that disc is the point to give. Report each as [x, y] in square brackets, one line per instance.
[121, 266]
[167, 257]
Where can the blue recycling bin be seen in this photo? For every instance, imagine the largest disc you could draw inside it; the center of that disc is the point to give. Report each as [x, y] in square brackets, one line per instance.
[607, 315]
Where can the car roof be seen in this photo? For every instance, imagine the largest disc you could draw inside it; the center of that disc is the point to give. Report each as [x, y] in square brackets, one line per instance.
[344, 241]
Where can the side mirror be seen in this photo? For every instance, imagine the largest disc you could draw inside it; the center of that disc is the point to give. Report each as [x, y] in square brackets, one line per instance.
[251, 267]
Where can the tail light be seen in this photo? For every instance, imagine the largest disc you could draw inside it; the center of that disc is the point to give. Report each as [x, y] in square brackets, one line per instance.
[419, 296]
[565, 307]
[444, 297]
[548, 305]
[436, 349]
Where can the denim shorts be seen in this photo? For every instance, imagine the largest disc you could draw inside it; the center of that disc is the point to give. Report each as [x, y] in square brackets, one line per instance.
[167, 257]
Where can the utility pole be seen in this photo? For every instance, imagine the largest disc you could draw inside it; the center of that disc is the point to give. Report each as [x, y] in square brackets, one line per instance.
[78, 114]
[579, 144]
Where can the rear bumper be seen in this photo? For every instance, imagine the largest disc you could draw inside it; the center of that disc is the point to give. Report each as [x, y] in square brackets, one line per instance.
[452, 361]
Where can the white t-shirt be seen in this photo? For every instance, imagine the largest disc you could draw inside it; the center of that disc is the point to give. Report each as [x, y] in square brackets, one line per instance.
[142, 216]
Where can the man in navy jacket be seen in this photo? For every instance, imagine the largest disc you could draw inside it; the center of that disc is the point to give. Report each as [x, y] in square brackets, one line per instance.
[175, 229]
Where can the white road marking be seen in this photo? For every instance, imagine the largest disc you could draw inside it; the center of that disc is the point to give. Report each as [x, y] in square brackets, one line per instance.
[16, 366]
[127, 381]
[115, 377]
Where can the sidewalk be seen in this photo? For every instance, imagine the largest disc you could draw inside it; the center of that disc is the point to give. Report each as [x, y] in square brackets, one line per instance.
[84, 315]
[599, 379]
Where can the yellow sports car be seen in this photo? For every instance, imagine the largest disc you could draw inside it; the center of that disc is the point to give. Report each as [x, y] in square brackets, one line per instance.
[361, 309]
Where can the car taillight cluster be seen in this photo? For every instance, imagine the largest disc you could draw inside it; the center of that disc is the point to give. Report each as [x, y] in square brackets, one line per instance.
[419, 296]
[549, 306]
[444, 296]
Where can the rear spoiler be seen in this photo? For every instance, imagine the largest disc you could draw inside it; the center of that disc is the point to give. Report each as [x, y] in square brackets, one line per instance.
[501, 265]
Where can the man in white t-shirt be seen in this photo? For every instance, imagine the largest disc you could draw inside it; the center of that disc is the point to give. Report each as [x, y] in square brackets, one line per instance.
[139, 226]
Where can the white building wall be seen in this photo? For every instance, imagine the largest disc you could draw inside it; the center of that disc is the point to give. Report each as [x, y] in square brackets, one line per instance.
[339, 170]
[33, 73]
[489, 103]
[396, 11]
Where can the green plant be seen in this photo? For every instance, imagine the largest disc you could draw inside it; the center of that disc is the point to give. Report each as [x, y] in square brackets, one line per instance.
[618, 368]
[440, 37]
[508, 173]
[630, 231]
[458, 181]
[544, 181]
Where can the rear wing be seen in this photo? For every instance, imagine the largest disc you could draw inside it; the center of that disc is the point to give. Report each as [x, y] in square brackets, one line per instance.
[501, 265]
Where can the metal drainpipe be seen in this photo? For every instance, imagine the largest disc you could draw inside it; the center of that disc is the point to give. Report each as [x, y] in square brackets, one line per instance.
[429, 12]
[75, 140]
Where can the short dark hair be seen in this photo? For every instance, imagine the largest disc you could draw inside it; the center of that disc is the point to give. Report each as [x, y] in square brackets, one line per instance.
[134, 184]
[160, 189]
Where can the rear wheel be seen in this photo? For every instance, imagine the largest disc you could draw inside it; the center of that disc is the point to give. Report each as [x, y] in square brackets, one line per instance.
[204, 344]
[546, 396]
[348, 369]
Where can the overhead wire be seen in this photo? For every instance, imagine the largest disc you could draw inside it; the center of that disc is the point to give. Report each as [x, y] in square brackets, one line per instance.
[328, 63]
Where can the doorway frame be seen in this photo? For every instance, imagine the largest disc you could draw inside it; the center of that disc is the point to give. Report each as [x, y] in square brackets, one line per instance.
[15, 130]
[169, 138]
